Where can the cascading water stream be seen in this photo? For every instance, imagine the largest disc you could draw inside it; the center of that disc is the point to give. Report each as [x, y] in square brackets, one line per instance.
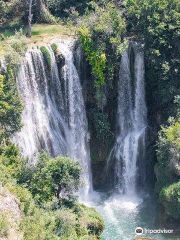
[43, 125]
[126, 210]
[53, 119]
[132, 119]
[77, 116]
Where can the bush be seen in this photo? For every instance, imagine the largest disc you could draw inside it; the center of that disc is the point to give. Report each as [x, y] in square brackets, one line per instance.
[170, 198]
[103, 42]
[167, 169]
[66, 223]
[10, 105]
[11, 160]
[90, 219]
[4, 225]
[102, 126]
[27, 203]
[11, 11]
[46, 55]
[39, 226]
[54, 47]
[15, 49]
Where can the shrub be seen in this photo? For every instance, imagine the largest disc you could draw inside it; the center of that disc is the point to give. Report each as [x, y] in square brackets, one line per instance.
[11, 160]
[102, 126]
[27, 204]
[4, 225]
[54, 47]
[10, 104]
[46, 55]
[15, 49]
[170, 198]
[62, 8]
[5, 176]
[167, 169]
[66, 223]
[90, 219]
[39, 226]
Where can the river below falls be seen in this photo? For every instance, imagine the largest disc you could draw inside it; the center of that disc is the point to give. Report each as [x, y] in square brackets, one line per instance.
[122, 215]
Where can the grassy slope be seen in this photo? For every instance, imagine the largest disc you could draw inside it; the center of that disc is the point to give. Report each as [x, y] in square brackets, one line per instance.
[41, 33]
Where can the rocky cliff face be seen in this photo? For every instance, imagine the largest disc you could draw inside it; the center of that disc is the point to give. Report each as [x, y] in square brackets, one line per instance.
[99, 148]
[10, 216]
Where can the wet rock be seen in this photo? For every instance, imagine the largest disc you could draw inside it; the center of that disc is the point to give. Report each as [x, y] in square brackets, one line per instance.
[60, 59]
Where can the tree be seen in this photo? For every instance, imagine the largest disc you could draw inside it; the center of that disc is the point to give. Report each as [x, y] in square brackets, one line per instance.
[156, 23]
[28, 34]
[58, 177]
[10, 105]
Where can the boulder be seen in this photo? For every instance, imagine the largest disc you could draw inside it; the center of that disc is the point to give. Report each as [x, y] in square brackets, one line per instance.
[60, 59]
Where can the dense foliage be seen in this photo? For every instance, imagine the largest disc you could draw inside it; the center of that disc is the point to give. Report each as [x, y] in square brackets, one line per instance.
[12, 10]
[101, 41]
[62, 8]
[49, 178]
[48, 220]
[168, 167]
[102, 126]
[156, 23]
[10, 105]
[15, 49]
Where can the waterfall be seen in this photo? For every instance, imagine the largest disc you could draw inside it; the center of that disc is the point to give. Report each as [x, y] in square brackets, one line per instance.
[76, 114]
[54, 119]
[132, 120]
[43, 124]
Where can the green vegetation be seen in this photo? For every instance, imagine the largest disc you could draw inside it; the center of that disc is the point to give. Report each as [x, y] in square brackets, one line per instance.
[47, 56]
[103, 28]
[63, 8]
[10, 105]
[103, 129]
[15, 49]
[45, 29]
[54, 47]
[156, 23]
[167, 169]
[4, 225]
[44, 216]
[12, 12]
[170, 199]
[102, 43]
[58, 177]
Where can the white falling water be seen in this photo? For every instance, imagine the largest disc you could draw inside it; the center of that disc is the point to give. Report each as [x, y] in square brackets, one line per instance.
[132, 119]
[45, 123]
[77, 116]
